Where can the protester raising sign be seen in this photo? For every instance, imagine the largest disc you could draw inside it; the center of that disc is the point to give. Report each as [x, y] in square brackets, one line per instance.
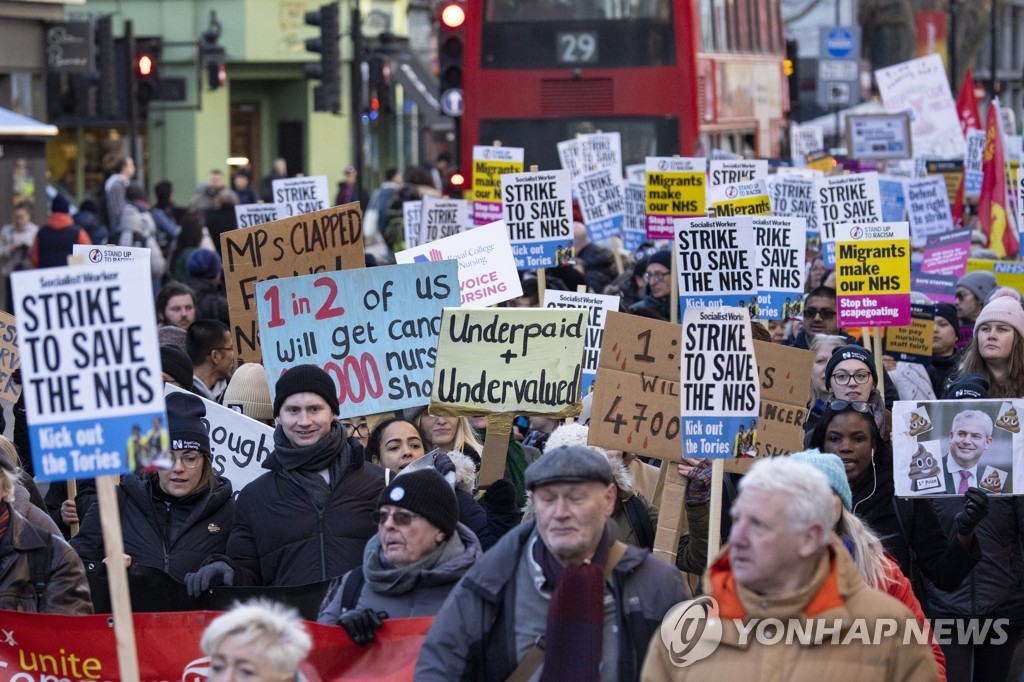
[442, 218]
[487, 271]
[295, 196]
[9, 358]
[602, 202]
[538, 216]
[373, 330]
[526, 361]
[675, 189]
[716, 262]
[643, 366]
[489, 164]
[248, 215]
[315, 242]
[597, 306]
[720, 387]
[845, 199]
[780, 245]
[873, 275]
[90, 368]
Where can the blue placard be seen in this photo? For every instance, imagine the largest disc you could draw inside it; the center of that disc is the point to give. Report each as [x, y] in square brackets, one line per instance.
[894, 200]
[374, 330]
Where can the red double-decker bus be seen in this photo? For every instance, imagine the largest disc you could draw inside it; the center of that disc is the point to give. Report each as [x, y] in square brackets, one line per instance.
[660, 72]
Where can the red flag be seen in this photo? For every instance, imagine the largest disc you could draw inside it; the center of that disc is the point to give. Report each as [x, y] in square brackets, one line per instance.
[1002, 238]
[957, 208]
[967, 105]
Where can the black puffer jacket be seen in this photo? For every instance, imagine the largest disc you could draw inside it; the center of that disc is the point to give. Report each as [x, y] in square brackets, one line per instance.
[174, 537]
[995, 588]
[66, 592]
[280, 538]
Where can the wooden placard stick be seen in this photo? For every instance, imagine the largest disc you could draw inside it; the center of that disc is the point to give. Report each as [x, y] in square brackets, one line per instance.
[542, 276]
[877, 336]
[673, 297]
[617, 255]
[124, 628]
[492, 459]
[715, 518]
[72, 494]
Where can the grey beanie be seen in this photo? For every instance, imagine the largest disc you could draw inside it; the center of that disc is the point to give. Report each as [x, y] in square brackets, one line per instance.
[981, 283]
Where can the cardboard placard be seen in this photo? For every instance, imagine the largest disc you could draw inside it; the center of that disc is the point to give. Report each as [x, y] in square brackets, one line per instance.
[537, 209]
[928, 209]
[676, 188]
[442, 218]
[934, 440]
[716, 262]
[845, 199]
[489, 164]
[873, 275]
[91, 369]
[720, 386]
[745, 198]
[249, 215]
[597, 306]
[110, 255]
[780, 429]
[10, 359]
[780, 247]
[635, 404]
[913, 343]
[504, 360]
[316, 242]
[487, 270]
[295, 196]
[601, 195]
[374, 330]
[412, 215]
[920, 85]
[785, 372]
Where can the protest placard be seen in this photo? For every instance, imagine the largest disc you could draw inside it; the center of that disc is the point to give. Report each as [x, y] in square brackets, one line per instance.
[412, 214]
[316, 242]
[1019, 195]
[785, 376]
[676, 188]
[780, 246]
[295, 196]
[601, 150]
[636, 172]
[928, 209]
[635, 404]
[873, 274]
[792, 194]
[806, 140]
[571, 156]
[248, 215]
[238, 445]
[9, 358]
[893, 192]
[947, 253]
[921, 86]
[374, 330]
[489, 164]
[537, 209]
[716, 259]
[878, 137]
[973, 158]
[91, 370]
[913, 343]
[110, 255]
[487, 270]
[601, 196]
[1007, 274]
[845, 199]
[720, 386]
[442, 218]
[951, 171]
[597, 306]
[634, 230]
[939, 288]
[736, 172]
[745, 198]
[933, 441]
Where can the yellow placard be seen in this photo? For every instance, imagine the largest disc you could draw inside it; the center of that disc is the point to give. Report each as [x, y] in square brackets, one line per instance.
[912, 343]
[676, 194]
[872, 267]
[1007, 274]
[757, 205]
[487, 178]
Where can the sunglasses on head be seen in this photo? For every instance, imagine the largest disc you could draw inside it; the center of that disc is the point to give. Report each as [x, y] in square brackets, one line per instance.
[855, 405]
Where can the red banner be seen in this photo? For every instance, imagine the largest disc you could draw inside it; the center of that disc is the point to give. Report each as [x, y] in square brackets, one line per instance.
[1002, 238]
[967, 105]
[35, 647]
[932, 34]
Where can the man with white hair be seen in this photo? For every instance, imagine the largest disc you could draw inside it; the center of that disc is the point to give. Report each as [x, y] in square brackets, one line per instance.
[970, 436]
[782, 574]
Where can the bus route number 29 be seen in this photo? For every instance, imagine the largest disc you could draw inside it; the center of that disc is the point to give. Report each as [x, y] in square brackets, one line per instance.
[577, 47]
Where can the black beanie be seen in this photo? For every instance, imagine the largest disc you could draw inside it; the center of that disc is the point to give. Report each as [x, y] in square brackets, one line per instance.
[967, 387]
[305, 379]
[849, 352]
[662, 257]
[948, 311]
[175, 362]
[185, 426]
[427, 493]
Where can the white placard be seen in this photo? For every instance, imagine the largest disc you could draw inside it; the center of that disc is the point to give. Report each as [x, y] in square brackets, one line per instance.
[920, 85]
[537, 208]
[724, 173]
[845, 199]
[442, 218]
[295, 196]
[247, 215]
[597, 306]
[111, 255]
[928, 209]
[411, 214]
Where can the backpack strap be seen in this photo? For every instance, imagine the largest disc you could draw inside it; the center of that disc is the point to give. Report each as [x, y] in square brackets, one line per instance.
[353, 586]
[640, 521]
[39, 563]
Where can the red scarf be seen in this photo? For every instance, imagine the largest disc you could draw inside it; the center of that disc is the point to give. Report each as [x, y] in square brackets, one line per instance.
[5, 519]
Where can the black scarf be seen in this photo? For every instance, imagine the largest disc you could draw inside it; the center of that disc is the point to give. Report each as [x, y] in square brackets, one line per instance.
[304, 464]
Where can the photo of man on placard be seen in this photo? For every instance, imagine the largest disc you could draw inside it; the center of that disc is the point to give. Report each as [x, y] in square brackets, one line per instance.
[969, 438]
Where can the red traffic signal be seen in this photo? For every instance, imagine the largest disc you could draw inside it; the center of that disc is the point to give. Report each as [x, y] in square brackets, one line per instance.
[457, 180]
[453, 15]
[145, 66]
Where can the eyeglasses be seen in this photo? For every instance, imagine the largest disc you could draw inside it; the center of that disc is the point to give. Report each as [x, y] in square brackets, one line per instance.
[362, 429]
[855, 405]
[843, 378]
[190, 459]
[823, 313]
[399, 516]
[655, 276]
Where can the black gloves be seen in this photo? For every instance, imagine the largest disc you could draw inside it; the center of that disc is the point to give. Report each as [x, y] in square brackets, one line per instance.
[216, 573]
[499, 495]
[362, 626]
[444, 464]
[975, 509]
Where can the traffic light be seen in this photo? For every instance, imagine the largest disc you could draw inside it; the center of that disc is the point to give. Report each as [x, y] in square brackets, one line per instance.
[451, 41]
[146, 70]
[327, 95]
[792, 74]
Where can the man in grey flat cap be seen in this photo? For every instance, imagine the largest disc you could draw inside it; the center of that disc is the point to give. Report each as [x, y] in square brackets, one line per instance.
[558, 597]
